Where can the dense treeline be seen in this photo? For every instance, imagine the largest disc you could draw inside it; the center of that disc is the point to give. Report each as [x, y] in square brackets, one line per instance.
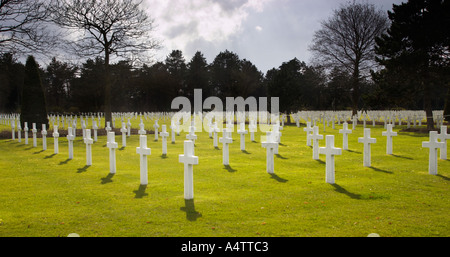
[73, 89]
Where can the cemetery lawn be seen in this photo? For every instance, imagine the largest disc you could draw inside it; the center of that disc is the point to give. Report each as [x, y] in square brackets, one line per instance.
[48, 195]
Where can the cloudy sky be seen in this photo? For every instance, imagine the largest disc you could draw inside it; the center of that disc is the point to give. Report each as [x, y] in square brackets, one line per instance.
[265, 32]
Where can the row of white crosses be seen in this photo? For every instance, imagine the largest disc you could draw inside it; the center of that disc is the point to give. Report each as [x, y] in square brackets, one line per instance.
[433, 144]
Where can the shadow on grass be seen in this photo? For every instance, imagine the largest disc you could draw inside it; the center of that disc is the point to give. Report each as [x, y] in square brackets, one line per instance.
[122, 148]
[351, 151]
[444, 177]
[280, 156]
[342, 190]
[49, 156]
[403, 157]
[164, 156]
[380, 170]
[245, 151]
[216, 148]
[189, 208]
[107, 179]
[38, 152]
[64, 162]
[319, 160]
[277, 178]
[84, 169]
[229, 169]
[140, 192]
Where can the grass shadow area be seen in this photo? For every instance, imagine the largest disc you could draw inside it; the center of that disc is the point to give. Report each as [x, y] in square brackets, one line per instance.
[107, 179]
[381, 170]
[84, 169]
[403, 157]
[277, 178]
[64, 162]
[245, 151]
[280, 156]
[229, 169]
[140, 192]
[189, 208]
[49, 156]
[342, 190]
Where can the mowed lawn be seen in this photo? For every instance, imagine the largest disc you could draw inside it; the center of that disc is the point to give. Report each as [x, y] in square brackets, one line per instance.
[47, 195]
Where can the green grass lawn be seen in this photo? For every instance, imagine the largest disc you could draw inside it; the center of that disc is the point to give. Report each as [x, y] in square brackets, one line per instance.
[43, 194]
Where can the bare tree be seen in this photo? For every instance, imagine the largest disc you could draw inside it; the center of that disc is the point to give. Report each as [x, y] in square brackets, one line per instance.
[23, 28]
[111, 27]
[347, 40]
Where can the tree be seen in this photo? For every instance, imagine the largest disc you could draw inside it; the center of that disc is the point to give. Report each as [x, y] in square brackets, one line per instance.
[23, 28]
[224, 71]
[33, 109]
[113, 27]
[11, 81]
[417, 48]
[198, 76]
[347, 39]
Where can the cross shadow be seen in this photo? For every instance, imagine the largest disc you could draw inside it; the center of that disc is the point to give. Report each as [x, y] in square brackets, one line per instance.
[380, 170]
[49, 156]
[229, 169]
[280, 156]
[342, 190]
[84, 169]
[189, 208]
[64, 162]
[351, 151]
[403, 157]
[216, 148]
[277, 178]
[140, 192]
[245, 151]
[254, 141]
[39, 151]
[29, 148]
[122, 148]
[107, 179]
[444, 177]
[281, 144]
[319, 160]
[164, 156]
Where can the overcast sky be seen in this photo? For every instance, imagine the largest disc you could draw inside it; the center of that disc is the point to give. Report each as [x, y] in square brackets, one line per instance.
[265, 32]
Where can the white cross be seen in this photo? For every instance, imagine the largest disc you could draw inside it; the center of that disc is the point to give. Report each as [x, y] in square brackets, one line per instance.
[124, 134]
[83, 127]
[55, 139]
[19, 131]
[108, 127]
[156, 126]
[25, 129]
[252, 128]
[308, 130]
[112, 145]
[433, 145]
[141, 129]
[44, 137]
[191, 135]
[88, 141]
[242, 133]
[70, 138]
[270, 146]
[315, 138]
[189, 161]
[128, 127]
[367, 140]
[95, 127]
[330, 151]
[443, 137]
[13, 125]
[215, 130]
[225, 140]
[345, 131]
[34, 130]
[389, 134]
[164, 134]
[143, 151]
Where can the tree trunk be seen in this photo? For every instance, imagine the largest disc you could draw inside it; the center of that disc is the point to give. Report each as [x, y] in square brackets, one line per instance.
[427, 105]
[355, 86]
[447, 105]
[107, 103]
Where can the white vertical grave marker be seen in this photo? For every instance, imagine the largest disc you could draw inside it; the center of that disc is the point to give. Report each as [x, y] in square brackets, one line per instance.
[13, 129]
[143, 151]
[55, 139]
[225, 140]
[112, 145]
[108, 127]
[315, 138]
[367, 140]
[124, 134]
[330, 151]
[70, 138]
[191, 136]
[34, 131]
[19, 132]
[215, 131]
[164, 135]
[129, 127]
[345, 131]
[25, 130]
[433, 145]
[189, 161]
[242, 133]
[252, 129]
[308, 130]
[156, 126]
[88, 141]
[95, 127]
[270, 146]
[389, 134]
[44, 137]
[443, 137]
[141, 129]
[172, 131]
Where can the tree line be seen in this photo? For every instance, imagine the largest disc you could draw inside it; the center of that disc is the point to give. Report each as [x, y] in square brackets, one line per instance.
[364, 59]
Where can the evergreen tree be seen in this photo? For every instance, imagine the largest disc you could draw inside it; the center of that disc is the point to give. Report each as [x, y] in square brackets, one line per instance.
[33, 108]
